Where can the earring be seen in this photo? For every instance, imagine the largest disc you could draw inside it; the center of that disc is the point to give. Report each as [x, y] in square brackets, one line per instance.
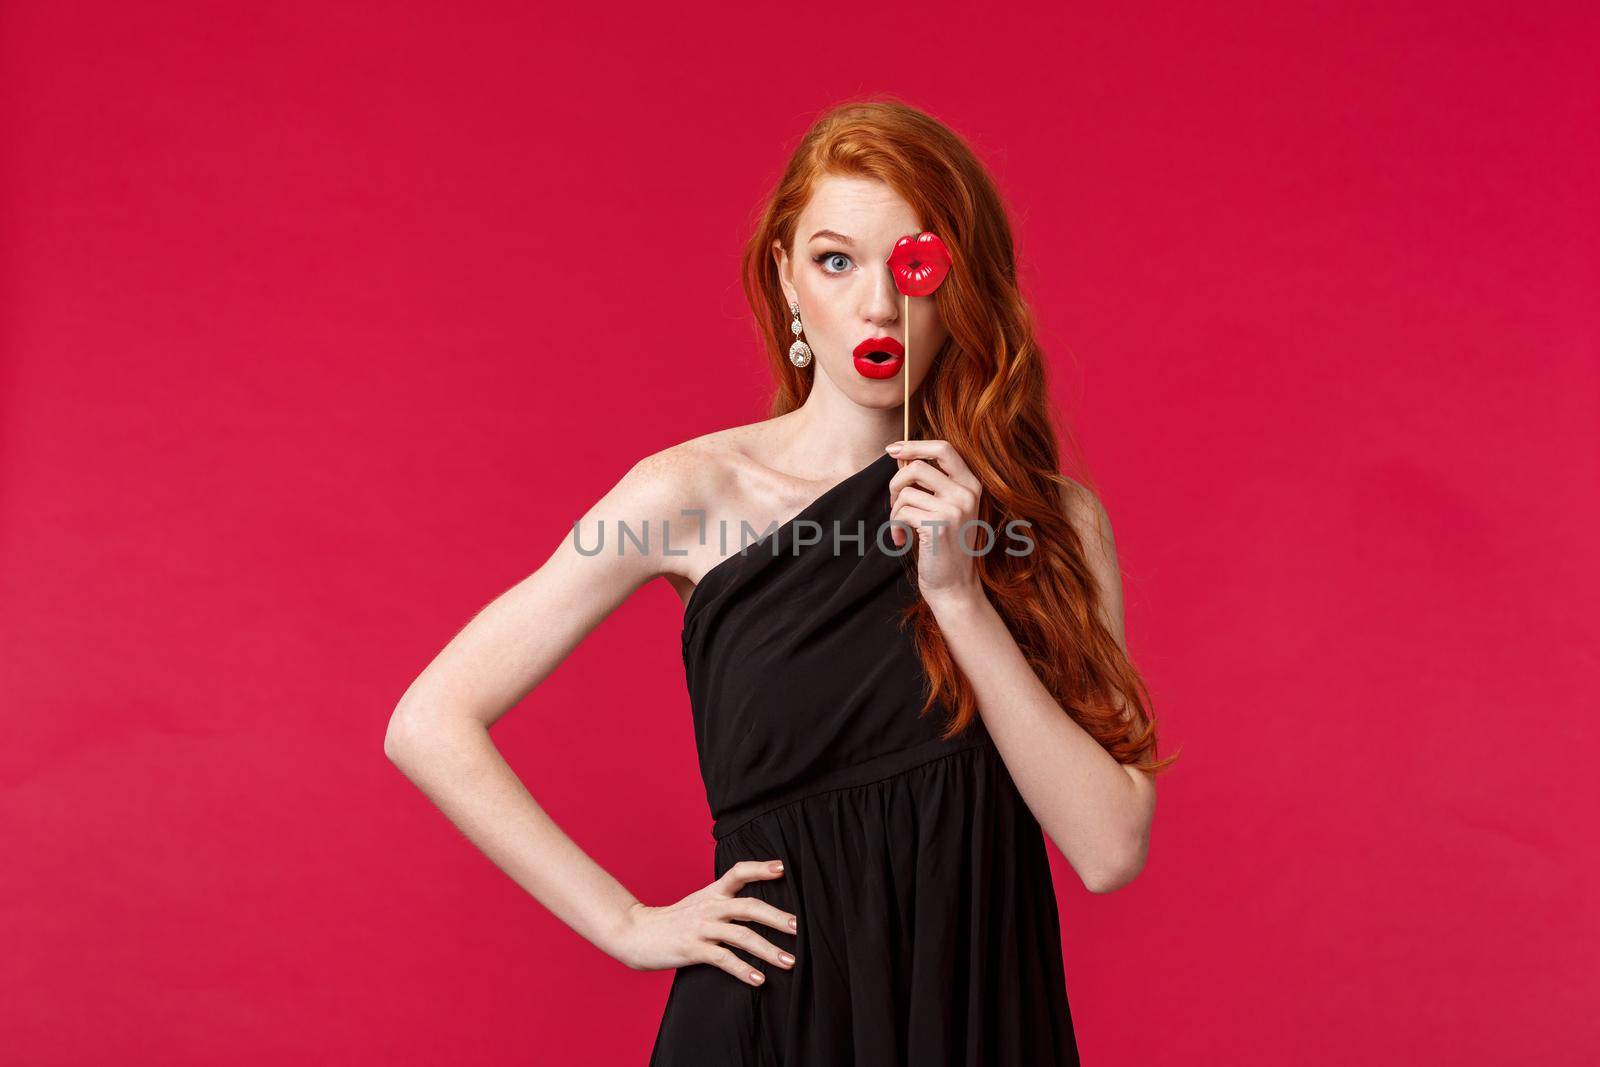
[799, 352]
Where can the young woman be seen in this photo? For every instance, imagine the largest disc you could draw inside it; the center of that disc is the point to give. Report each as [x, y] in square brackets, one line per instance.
[889, 719]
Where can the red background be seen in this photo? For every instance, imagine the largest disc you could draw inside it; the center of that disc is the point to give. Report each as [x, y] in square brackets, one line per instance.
[322, 322]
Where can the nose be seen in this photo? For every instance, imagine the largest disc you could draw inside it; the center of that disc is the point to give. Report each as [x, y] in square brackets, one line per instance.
[882, 299]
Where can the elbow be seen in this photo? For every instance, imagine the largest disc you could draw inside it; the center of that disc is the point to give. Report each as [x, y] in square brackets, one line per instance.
[399, 739]
[1119, 870]
[1109, 881]
[1127, 844]
[420, 730]
[391, 743]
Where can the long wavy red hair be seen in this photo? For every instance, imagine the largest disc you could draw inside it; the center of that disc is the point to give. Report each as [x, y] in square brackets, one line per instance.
[986, 394]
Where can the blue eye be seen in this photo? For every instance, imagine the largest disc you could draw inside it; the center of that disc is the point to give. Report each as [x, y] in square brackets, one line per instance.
[825, 256]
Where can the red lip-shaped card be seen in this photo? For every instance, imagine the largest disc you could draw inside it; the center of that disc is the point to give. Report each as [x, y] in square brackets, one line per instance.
[919, 263]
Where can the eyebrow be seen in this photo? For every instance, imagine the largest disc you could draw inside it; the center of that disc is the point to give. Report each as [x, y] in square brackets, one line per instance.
[841, 238]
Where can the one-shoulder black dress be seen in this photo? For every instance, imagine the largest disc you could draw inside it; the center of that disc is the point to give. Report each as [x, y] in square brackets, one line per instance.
[927, 924]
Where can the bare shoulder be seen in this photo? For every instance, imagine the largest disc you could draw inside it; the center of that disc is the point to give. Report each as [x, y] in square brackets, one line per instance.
[669, 479]
[1093, 525]
[1086, 513]
[690, 475]
[678, 489]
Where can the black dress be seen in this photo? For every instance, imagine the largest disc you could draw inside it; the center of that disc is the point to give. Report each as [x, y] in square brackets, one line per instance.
[928, 930]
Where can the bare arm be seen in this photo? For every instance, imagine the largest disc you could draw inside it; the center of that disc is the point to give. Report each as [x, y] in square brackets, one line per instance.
[438, 734]
[1097, 810]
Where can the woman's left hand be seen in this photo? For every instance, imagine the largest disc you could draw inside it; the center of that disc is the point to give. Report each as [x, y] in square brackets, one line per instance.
[936, 493]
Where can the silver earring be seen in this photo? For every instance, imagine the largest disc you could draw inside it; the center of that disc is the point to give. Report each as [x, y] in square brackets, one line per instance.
[799, 352]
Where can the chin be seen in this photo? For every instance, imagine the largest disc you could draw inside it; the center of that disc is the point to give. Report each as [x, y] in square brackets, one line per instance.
[878, 394]
[878, 397]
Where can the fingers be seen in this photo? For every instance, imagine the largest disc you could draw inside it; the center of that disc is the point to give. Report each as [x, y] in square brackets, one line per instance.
[934, 484]
[762, 912]
[751, 942]
[920, 490]
[723, 957]
[920, 474]
[924, 473]
[942, 452]
[752, 909]
[906, 518]
[917, 497]
[747, 871]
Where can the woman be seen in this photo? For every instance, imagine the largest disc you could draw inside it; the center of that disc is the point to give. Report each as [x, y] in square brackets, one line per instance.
[886, 729]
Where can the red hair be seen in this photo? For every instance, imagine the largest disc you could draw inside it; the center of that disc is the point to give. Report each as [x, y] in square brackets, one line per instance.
[986, 394]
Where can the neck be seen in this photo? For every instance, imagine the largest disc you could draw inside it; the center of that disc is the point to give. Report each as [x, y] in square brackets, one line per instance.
[833, 435]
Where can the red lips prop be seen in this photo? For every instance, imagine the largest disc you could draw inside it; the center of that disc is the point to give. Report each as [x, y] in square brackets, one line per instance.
[919, 262]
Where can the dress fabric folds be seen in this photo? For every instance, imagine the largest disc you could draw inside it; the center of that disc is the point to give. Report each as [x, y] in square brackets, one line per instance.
[928, 926]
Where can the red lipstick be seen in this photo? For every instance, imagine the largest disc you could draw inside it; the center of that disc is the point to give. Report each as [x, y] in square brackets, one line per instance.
[879, 357]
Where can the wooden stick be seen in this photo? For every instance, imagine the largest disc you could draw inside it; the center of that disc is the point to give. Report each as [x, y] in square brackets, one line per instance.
[906, 370]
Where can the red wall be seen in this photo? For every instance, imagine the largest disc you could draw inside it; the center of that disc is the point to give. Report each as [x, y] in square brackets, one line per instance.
[321, 323]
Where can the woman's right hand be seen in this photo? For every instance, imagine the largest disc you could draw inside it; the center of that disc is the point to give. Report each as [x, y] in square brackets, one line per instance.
[699, 928]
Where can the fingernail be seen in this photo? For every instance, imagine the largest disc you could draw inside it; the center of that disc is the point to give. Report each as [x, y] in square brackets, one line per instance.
[757, 976]
[894, 449]
[778, 867]
[792, 925]
[786, 958]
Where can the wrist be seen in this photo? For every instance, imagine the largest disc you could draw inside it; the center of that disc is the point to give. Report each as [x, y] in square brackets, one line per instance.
[616, 934]
[958, 601]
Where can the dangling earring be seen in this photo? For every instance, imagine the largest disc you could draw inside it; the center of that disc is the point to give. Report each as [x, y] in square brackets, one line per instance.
[799, 352]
